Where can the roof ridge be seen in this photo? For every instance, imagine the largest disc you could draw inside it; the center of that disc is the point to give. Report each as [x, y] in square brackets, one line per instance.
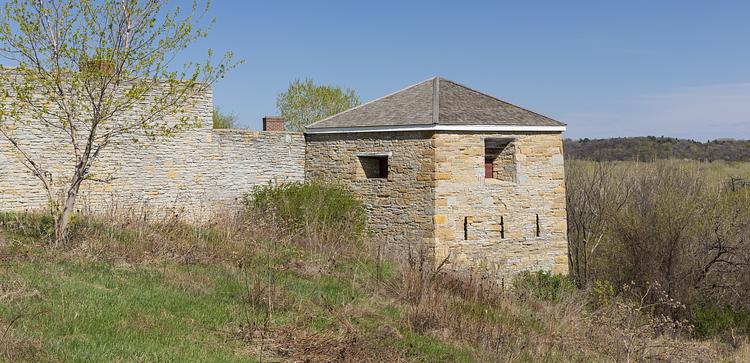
[435, 100]
[371, 101]
[503, 101]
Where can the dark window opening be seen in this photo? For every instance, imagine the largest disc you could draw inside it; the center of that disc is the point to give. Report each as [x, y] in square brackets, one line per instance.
[374, 167]
[538, 228]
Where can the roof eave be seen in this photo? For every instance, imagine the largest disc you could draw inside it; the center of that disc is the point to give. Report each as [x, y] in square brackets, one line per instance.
[438, 127]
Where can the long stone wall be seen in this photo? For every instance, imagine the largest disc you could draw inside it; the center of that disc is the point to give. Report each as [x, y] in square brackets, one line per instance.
[190, 174]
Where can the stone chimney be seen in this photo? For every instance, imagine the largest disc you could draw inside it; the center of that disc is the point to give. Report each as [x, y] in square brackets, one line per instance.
[273, 123]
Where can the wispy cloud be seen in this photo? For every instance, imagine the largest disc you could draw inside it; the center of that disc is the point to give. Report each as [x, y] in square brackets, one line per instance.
[706, 112]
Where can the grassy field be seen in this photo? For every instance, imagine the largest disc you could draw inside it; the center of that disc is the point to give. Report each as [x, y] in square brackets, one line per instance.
[201, 298]
[238, 289]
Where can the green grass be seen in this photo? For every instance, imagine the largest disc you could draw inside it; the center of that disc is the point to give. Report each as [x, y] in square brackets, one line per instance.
[127, 291]
[93, 311]
[431, 349]
[103, 309]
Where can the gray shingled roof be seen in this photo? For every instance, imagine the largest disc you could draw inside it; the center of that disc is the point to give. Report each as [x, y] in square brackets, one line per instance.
[435, 101]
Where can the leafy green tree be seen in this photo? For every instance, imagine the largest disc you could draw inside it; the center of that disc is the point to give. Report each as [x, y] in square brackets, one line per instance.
[304, 103]
[224, 120]
[81, 66]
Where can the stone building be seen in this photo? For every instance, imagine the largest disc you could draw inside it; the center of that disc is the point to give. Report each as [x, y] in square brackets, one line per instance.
[438, 164]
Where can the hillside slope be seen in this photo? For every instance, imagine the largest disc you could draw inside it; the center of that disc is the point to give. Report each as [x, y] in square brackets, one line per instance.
[173, 292]
[649, 148]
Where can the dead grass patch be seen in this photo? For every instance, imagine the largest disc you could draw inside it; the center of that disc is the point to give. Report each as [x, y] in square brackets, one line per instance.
[12, 250]
[294, 344]
[15, 349]
[521, 324]
[13, 287]
[741, 353]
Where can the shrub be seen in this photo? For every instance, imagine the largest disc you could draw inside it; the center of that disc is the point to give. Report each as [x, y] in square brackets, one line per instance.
[601, 293]
[28, 224]
[671, 222]
[314, 213]
[711, 320]
[544, 285]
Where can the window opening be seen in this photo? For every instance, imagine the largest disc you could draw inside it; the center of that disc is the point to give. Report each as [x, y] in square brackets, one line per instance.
[374, 167]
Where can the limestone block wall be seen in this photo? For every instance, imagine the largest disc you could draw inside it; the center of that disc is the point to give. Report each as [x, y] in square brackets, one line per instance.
[190, 174]
[473, 213]
[400, 208]
[436, 194]
[505, 163]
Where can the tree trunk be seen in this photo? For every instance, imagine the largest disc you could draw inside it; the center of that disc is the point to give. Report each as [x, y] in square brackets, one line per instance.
[62, 221]
[62, 224]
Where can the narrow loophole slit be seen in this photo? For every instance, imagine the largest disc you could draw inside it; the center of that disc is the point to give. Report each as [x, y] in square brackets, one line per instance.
[466, 228]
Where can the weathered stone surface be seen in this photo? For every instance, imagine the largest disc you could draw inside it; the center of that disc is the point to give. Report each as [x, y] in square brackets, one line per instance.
[462, 219]
[400, 209]
[189, 174]
[538, 189]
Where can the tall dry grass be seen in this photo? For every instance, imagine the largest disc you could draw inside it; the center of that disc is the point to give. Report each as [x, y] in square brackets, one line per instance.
[539, 317]
[544, 317]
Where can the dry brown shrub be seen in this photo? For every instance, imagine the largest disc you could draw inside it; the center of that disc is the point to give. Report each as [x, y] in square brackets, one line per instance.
[516, 325]
[667, 221]
[131, 239]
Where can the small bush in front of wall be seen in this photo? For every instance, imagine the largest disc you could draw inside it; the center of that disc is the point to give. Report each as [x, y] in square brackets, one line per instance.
[34, 225]
[321, 214]
[543, 285]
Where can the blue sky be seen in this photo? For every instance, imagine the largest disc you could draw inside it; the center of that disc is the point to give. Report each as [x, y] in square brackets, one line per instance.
[674, 68]
[606, 68]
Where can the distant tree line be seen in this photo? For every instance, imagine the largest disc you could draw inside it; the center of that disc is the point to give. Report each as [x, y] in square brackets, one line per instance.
[649, 148]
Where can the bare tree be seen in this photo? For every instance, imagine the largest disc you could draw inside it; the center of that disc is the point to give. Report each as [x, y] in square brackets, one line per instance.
[723, 249]
[80, 65]
[594, 195]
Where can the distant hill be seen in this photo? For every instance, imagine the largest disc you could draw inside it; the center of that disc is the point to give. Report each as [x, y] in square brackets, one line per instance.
[650, 148]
